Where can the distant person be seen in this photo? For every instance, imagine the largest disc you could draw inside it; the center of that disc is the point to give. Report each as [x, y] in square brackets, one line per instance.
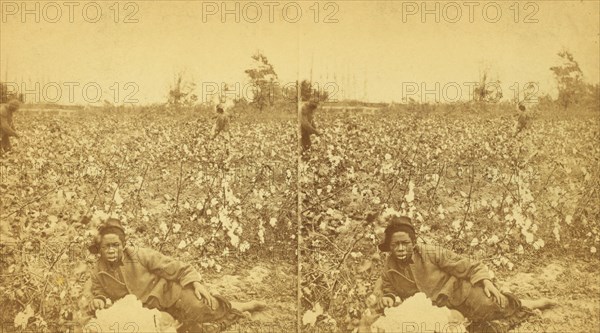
[524, 118]
[526, 148]
[7, 127]
[307, 124]
[221, 123]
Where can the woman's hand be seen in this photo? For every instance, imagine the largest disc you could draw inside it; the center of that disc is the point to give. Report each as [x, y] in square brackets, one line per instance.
[490, 290]
[97, 304]
[205, 296]
[386, 302]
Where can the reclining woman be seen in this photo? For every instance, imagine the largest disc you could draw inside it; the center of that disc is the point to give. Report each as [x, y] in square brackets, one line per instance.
[158, 282]
[448, 279]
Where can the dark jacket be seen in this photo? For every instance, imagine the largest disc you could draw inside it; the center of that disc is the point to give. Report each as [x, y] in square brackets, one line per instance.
[7, 128]
[445, 277]
[307, 125]
[146, 273]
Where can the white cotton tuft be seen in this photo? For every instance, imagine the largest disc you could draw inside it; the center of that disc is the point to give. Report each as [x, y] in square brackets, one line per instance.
[417, 314]
[130, 316]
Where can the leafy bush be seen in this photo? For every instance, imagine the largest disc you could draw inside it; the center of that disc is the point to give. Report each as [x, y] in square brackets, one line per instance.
[573, 92]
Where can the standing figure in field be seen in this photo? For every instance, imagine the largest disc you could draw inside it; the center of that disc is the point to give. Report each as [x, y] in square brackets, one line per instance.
[523, 119]
[159, 282]
[526, 149]
[449, 280]
[307, 124]
[221, 123]
[7, 127]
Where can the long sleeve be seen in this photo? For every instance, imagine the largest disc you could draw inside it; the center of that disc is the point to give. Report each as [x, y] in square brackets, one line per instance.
[461, 267]
[97, 289]
[6, 125]
[386, 286]
[168, 268]
[308, 126]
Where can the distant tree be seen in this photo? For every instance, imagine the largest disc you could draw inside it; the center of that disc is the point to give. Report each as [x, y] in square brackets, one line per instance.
[569, 77]
[592, 97]
[485, 93]
[265, 81]
[310, 93]
[181, 92]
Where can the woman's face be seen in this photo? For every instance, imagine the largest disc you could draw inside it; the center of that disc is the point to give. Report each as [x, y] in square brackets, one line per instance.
[401, 246]
[111, 247]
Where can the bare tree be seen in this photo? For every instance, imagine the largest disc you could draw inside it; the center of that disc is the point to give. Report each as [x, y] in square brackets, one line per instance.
[484, 91]
[181, 92]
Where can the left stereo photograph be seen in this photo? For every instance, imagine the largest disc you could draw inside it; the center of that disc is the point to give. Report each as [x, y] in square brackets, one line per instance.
[148, 169]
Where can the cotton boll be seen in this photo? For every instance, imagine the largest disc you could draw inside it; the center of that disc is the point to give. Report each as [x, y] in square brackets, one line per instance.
[129, 313]
[417, 314]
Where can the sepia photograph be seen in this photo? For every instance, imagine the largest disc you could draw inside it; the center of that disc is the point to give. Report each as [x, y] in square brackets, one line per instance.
[148, 169]
[193, 166]
[450, 183]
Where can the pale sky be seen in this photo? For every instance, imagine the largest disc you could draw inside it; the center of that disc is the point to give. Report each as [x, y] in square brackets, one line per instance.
[373, 51]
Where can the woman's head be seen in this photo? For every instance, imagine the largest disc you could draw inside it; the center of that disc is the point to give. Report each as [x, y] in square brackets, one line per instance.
[397, 224]
[399, 238]
[111, 240]
[111, 247]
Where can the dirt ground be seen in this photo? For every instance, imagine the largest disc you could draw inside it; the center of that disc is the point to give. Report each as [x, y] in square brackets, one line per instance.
[272, 283]
[573, 283]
